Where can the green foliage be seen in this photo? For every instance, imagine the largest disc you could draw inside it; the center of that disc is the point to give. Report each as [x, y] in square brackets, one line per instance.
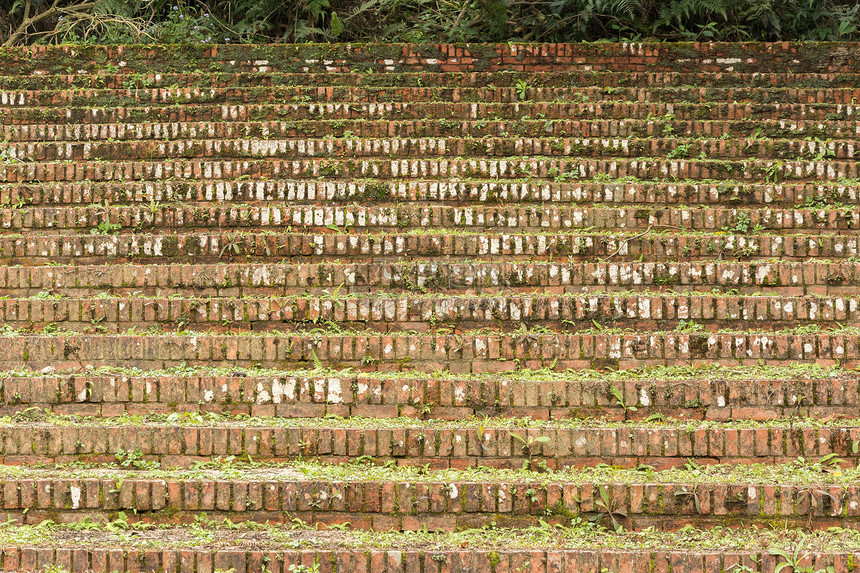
[184, 24]
[262, 21]
[133, 459]
[680, 152]
[688, 327]
[304, 568]
[522, 89]
[619, 397]
[743, 224]
[106, 228]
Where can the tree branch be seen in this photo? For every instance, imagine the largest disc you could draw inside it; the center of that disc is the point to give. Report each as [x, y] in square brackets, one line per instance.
[21, 30]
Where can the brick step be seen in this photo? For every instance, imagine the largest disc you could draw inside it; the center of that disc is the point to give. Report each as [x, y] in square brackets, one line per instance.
[450, 246]
[102, 79]
[399, 58]
[401, 94]
[527, 169]
[363, 128]
[423, 147]
[517, 218]
[435, 314]
[170, 112]
[642, 194]
[488, 277]
[187, 439]
[404, 500]
[533, 549]
[467, 352]
[715, 393]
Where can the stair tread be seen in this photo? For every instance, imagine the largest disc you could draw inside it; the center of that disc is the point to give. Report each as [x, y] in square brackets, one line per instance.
[191, 78]
[572, 544]
[735, 476]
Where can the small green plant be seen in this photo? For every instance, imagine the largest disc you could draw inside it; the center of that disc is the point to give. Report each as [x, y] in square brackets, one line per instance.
[696, 501]
[619, 397]
[7, 156]
[522, 89]
[129, 459]
[743, 224]
[45, 295]
[561, 178]
[823, 151]
[771, 172]
[793, 560]
[107, 228]
[528, 443]
[232, 245]
[137, 81]
[315, 568]
[298, 523]
[688, 326]
[681, 152]
[318, 365]
[608, 509]
[333, 295]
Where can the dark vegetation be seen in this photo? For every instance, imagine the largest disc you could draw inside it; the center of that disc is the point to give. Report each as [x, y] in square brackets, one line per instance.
[268, 21]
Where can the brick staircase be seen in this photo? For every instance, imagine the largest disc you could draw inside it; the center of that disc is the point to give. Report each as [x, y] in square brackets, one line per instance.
[426, 309]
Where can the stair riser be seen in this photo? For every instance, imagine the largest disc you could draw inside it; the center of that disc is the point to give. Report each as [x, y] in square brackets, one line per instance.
[783, 149]
[405, 507]
[299, 397]
[244, 279]
[398, 218]
[609, 413]
[324, 248]
[417, 327]
[404, 560]
[442, 169]
[460, 353]
[644, 195]
[440, 448]
[306, 94]
[171, 112]
[564, 314]
[362, 128]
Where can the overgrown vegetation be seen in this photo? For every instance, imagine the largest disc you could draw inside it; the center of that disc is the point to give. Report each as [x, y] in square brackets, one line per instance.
[264, 21]
[580, 533]
[824, 471]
